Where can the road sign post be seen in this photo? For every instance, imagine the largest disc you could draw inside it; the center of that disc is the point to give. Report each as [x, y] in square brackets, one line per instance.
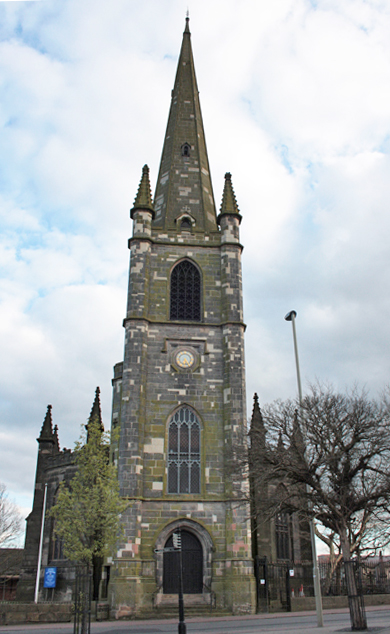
[176, 538]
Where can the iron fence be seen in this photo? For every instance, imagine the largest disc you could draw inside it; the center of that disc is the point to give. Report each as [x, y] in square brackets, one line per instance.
[278, 583]
[373, 574]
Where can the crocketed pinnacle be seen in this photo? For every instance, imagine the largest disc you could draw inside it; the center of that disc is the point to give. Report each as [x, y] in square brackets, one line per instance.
[280, 446]
[143, 199]
[55, 437]
[229, 203]
[257, 429]
[96, 413]
[47, 427]
[297, 444]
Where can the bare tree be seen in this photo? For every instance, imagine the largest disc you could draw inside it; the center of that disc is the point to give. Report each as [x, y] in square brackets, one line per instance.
[334, 450]
[10, 519]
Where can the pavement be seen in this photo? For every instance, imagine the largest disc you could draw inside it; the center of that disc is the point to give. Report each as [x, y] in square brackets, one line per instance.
[337, 620]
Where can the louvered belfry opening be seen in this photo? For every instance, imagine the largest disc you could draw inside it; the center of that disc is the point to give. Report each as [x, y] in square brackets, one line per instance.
[184, 452]
[185, 292]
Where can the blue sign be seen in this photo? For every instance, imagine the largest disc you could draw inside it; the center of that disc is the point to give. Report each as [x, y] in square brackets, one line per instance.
[50, 578]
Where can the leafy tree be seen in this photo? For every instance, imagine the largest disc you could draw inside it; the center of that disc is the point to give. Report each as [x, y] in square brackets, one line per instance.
[10, 519]
[334, 449]
[87, 512]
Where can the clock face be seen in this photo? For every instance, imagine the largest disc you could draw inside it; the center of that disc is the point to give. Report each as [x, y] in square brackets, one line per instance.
[185, 359]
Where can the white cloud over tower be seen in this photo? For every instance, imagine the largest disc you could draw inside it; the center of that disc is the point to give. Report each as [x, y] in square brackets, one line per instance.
[296, 104]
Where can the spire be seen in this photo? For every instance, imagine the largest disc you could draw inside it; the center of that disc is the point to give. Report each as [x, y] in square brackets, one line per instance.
[184, 181]
[143, 199]
[229, 203]
[96, 414]
[47, 427]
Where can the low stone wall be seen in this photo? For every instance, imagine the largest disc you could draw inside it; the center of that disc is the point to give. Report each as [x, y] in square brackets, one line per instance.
[101, 612]
[15, 613]
[300, 604]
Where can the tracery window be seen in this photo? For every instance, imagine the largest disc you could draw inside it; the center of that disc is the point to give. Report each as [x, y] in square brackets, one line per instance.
[184, 452]
[185, 292]
[282, 534]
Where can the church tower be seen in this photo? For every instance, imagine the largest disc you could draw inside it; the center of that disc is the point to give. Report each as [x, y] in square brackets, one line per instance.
[179, 395]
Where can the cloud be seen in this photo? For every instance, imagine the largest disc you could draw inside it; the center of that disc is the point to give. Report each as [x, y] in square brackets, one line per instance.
[295, 100]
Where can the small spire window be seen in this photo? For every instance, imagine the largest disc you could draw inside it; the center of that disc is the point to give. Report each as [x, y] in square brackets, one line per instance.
[185, 224]
[185, 149]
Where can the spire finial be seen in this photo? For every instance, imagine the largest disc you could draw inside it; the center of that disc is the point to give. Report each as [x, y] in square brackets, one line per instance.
[143, 199]
[187, 27]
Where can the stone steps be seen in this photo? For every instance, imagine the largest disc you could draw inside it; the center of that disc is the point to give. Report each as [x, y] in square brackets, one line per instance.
[172, 612]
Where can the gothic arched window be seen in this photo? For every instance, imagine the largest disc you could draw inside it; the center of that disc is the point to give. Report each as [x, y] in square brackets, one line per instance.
[282, 534]
[185, 292]
[184, 452]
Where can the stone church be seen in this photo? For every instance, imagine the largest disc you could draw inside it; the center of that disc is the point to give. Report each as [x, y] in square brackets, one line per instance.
[179, 393]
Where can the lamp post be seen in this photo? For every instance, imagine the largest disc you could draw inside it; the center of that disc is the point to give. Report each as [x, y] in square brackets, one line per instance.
[36, 593]
[176, 537]
[291, 316]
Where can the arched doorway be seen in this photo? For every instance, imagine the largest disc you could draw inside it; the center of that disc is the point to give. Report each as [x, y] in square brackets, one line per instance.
[192, 562]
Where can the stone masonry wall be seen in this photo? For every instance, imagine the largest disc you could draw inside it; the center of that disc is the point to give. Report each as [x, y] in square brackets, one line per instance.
[152, 388]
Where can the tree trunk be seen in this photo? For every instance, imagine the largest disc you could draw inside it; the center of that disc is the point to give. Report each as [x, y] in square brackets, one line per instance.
[82, 614]
[97, 565]
[356, 606]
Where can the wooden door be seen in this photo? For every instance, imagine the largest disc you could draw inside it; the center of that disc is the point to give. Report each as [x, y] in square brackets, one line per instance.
[192, 562]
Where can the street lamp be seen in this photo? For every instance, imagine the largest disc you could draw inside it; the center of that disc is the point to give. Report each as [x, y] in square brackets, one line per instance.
[291, 316]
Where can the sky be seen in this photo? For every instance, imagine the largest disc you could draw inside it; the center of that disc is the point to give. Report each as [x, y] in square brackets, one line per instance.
[295, 97]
